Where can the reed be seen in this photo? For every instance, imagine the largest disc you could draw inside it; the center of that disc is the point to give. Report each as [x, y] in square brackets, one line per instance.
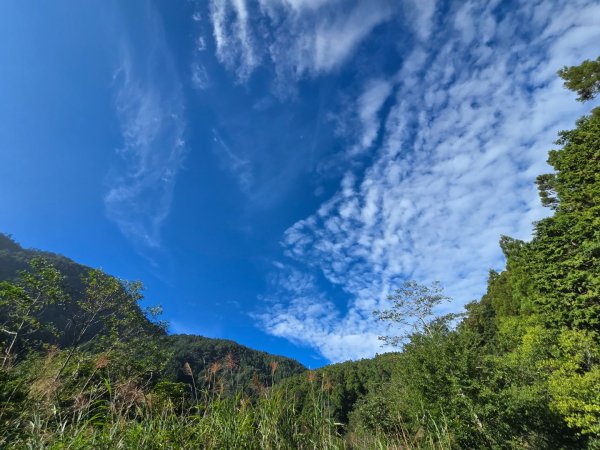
[102, 412]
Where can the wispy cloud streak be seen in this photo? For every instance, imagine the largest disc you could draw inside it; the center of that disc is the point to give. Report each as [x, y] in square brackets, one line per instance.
[149, 106]
[234, 42]
[302, 38]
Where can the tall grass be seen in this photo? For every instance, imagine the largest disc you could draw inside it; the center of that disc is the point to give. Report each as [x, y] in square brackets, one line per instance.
[101, 412]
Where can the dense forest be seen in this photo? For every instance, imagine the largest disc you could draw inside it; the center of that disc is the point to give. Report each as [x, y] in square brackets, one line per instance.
[83, 366]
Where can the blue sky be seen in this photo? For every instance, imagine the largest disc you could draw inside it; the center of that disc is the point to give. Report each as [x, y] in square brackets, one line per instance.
[271, 169]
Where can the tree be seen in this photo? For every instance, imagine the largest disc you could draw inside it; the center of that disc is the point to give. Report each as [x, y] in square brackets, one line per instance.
[107, 315]
[575, 380]
[413, 309]
[583, 79]
[558, 272]
[22, 301]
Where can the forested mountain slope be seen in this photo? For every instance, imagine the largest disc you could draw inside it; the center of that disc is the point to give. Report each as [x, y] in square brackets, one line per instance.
[239, 367]
[199, 352]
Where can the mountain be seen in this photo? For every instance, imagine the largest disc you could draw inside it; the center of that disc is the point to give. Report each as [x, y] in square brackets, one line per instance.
[238, 366]
[14, 258]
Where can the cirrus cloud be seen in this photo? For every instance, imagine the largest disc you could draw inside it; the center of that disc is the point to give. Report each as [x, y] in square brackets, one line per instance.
[150, 110]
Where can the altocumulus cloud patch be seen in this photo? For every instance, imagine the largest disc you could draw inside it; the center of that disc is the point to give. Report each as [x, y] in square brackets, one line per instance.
[473, 111]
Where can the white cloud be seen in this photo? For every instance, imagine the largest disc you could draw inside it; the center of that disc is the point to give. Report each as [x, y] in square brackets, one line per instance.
[198, 70]
[420, 14]
[200, 78]
[368, 107]
[149, 106]
[298, 4]
[469, 128]
[310, 319]
[233, 38]
[240, 167]
[200, 44]
[315, 41]
[333, 40]
[302, 38]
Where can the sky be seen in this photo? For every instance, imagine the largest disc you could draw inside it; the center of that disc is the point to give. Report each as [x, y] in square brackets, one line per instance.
[273, 169]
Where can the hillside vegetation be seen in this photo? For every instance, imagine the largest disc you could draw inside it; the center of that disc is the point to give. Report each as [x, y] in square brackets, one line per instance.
[83, 366]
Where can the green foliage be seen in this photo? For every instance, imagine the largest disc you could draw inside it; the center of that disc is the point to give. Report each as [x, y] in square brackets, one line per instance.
[516, 387]
[558, 272]
[347, 383]
[413, 308]
[236, 367]
[563, 260]
[583, 79]
[22, 302]
[575, 380]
